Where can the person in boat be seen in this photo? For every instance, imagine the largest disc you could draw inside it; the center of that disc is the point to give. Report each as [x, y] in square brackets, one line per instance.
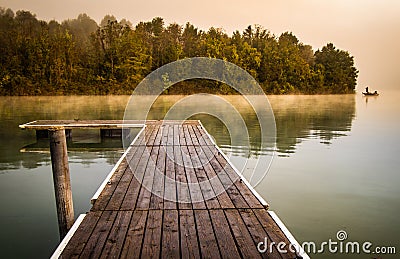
[366, 89]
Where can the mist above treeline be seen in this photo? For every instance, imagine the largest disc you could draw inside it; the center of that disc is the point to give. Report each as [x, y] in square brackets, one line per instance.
[79, 56]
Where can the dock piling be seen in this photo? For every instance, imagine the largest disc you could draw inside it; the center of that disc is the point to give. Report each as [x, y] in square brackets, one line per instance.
[61, 179]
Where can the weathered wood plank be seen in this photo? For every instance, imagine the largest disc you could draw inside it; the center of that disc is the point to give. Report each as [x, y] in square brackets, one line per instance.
[194, 187]
[170, 235]
[188, 138]
[164, 137]
[182, 139]
[152, 137]
[81, 236]
[132, 193]
[144, 136]
[218, 188]
[95, 244]
[176, 135]
[120, 190]
[208, 193]
[82, 124]
[159, 136]
[205, 232]
[241, 234]
[151, 247]
[229, 186]
[188, 240]
[157, 193]
[226, 241]
[249, 197]
[170, 140]
[109, 189]
[134, 238]
[257, 232]
[116, 238]
[182, 187]
[193, 136]
[170, 191]
[148, 179]
[201, 135]
[207, 138]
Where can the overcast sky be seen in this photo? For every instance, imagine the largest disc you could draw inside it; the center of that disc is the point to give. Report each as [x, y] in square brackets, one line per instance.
[368, 29]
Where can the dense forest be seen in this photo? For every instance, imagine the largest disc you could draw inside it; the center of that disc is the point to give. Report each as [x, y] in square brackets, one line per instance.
[79, 56]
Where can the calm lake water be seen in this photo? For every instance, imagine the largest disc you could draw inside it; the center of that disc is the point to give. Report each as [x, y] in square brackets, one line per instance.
[336, 166]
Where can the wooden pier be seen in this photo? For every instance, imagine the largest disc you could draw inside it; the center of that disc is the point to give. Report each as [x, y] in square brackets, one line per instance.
[174, 194]
[107, 128]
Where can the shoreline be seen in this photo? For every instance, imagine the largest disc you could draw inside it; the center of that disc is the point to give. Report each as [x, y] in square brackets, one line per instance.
[218, 94]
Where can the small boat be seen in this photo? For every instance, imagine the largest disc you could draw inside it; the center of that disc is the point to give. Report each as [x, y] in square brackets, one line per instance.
[370, 94]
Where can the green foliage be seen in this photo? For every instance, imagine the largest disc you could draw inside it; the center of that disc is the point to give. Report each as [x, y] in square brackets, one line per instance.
[80, 57]
[339, 71]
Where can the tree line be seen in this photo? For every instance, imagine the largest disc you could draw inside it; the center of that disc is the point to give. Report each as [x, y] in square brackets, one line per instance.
[79, 56]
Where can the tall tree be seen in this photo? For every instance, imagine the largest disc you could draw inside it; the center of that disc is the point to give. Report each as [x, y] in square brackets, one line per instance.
[191, 38]
[107, 19]
[340, 74]
[106, 39]
[81, 28]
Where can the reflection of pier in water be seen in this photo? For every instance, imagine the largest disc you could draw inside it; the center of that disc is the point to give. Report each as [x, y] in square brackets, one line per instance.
[42, 146]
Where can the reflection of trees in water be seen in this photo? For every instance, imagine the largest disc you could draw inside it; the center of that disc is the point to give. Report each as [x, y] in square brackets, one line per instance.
[303, 117]
[324, 117]
[26, 160]
[32, 160]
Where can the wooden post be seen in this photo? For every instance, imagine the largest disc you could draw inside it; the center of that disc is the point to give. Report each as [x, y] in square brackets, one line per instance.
[61, 179]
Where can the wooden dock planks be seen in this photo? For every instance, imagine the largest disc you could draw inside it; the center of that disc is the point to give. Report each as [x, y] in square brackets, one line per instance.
[174, 195]
[81, 124]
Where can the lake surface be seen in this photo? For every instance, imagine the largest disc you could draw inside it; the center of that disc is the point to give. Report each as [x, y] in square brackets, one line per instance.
[336, 165]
